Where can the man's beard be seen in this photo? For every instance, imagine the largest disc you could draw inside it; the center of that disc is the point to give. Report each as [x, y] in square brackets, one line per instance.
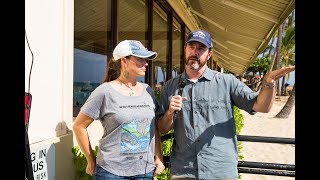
[193, 66]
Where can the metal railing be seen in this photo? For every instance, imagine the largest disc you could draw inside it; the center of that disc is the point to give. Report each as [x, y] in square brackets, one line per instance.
[255, 167]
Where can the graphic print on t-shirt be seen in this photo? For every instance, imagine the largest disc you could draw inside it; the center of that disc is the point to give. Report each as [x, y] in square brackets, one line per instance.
[135, 136]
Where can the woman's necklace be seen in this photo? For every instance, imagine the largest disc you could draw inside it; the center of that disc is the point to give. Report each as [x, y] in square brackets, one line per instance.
[131, 92]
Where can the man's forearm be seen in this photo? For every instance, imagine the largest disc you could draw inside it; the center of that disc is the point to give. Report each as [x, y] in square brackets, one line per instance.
[268, 92]
[265, 98]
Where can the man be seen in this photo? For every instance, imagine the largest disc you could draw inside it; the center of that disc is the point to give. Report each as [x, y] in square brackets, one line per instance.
[198, 105]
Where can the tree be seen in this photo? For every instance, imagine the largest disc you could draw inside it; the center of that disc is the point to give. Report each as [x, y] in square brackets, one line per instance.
[287, 51]
[288, 57]
[278, 54]
[272, 52]
[260, 65]
[286, 110]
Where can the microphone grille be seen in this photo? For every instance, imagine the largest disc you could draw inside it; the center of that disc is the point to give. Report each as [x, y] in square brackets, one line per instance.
[183, 83]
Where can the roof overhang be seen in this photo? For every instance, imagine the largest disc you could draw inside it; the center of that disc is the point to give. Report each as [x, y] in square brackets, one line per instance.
[240, 29]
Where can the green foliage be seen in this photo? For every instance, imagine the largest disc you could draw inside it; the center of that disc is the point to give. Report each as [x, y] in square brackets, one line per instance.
[238, 117]
[226, 71]
[165, 175]
[239, 124]
[166, 151]
[166, 145]
[80, 163]
[260, 65]
[157, 95]
[288, 47]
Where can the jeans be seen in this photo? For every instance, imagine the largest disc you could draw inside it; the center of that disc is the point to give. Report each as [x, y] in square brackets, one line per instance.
[102, 174]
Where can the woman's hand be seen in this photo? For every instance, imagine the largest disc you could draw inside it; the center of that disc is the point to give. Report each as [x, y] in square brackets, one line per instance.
[90, 167]
[159, 167]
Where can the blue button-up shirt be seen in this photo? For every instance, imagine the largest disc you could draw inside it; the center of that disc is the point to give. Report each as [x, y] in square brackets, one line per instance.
[205, 145]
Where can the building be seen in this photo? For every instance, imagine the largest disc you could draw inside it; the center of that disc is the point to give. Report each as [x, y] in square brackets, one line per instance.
[71, 38]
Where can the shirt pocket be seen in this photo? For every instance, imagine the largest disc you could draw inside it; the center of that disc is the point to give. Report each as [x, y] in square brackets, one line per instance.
[215, 111]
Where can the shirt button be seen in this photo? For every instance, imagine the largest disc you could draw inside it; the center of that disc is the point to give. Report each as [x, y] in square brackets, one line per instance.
[196, 125]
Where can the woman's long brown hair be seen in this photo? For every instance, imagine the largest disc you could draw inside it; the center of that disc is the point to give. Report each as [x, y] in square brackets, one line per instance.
[113, 70]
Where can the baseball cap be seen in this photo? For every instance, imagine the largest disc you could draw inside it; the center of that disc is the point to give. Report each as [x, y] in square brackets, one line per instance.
[200, 36]
[134, 48]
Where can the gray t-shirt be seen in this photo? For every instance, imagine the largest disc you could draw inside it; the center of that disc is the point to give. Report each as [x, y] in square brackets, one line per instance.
[127, 145]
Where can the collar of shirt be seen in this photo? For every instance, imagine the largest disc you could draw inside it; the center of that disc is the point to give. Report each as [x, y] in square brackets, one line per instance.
[208, 74]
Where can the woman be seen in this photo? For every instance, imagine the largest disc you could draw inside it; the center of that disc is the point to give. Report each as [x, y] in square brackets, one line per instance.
[130, 146]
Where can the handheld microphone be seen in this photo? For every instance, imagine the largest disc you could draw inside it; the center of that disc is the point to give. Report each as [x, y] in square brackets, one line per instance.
[182, 84]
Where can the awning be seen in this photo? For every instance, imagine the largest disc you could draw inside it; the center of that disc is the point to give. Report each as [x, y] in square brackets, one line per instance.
[241, 29]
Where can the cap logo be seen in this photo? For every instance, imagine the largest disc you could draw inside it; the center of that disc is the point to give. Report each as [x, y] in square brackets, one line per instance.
[199, 34]
[136, 45]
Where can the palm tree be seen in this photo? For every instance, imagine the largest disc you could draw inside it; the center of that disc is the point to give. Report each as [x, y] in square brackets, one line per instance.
[269, 48]
[287, 53]
[272, 53]
[288, 47]
[278, 54]
[286, 110]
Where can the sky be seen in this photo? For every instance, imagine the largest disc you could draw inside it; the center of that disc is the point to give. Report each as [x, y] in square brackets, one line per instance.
[291, 79]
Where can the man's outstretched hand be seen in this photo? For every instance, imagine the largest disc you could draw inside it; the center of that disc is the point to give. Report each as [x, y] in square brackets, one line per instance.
[277, 74]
